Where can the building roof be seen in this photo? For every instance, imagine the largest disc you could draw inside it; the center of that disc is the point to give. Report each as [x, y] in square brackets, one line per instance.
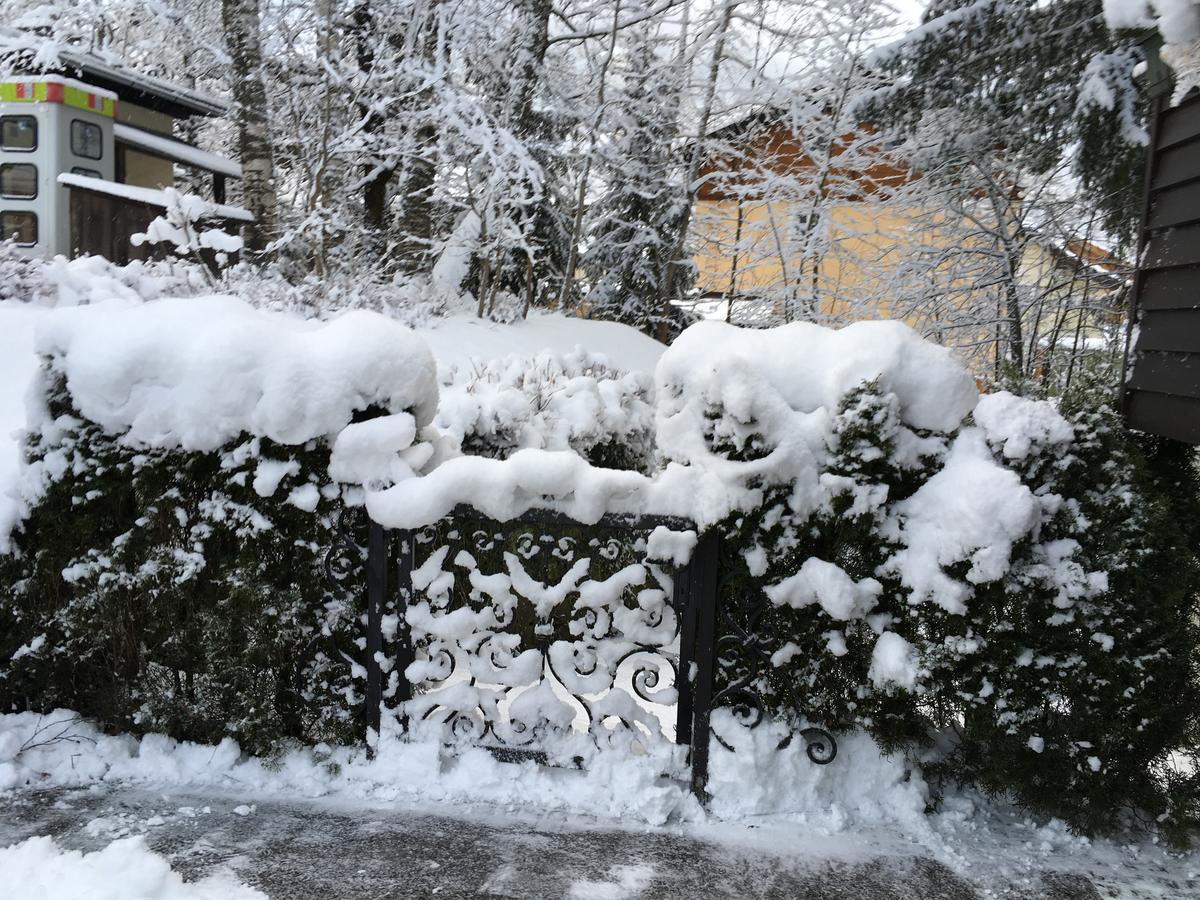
[32, 53]
[136, 87]
[150, 196]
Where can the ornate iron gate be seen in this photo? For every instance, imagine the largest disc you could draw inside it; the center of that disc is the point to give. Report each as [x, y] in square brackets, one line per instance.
[528, 636]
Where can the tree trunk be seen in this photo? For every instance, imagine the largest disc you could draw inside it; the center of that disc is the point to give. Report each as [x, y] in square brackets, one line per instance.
[416, 190]
[536, 14]
[240, 20]
[376, 177]
[672, 288]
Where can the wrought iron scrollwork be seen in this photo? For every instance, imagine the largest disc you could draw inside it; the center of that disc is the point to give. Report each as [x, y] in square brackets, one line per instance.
[587, 631]
[745, 646]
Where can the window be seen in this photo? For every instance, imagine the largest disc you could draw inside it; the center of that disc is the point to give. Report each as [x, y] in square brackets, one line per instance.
[89, 173]
[18, 181]
[18, 133]
[86, 139]
[20, 226]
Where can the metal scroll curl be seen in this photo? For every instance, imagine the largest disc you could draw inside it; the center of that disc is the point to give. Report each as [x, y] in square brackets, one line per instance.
[601, 661]
[744, 648]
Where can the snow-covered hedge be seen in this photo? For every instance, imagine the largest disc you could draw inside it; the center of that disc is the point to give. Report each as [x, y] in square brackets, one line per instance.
[574, 401]
[990, 569]
[169, 572]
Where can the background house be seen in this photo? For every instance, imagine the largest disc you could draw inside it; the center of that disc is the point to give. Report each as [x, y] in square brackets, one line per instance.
[87, 150]
[797, 218]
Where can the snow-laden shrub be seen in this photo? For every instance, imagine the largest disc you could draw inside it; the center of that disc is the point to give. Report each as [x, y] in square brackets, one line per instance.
[994, 576]
[574, 401]
[1091, 700]
[169, 573]
[88, 279]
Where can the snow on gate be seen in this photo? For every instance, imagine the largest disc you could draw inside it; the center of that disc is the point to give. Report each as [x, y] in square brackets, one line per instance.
[543, 638]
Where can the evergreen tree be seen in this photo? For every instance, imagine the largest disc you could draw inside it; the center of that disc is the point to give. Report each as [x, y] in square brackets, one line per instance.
[1026, 81]
[629, 237]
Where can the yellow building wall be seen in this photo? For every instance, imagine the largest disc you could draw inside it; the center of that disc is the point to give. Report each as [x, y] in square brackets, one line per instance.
[851, 279]
[863, 272]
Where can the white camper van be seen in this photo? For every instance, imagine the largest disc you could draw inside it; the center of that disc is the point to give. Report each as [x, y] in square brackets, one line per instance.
[86, 153]
[49, 125]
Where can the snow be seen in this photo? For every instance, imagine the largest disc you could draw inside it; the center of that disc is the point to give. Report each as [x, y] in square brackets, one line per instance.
[368, 451]
[761, 779]
[38, 869]
[779, 376]
[197, 372]
[549, 400]
[893, 661]
[1020, 425]
[1178, 20]
[17, 367]
[465, 341]
[150, 196]
[972, 510]
[176, 150]
[827, 584]
[670, 546]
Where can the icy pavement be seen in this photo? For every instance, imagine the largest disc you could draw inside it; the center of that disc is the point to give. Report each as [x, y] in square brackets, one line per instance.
[315, 849]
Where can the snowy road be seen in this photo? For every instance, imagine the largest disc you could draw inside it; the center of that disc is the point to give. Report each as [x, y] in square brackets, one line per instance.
[300, 849]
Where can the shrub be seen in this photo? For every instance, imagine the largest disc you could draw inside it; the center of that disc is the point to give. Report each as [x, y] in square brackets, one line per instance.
[179, 592]
[574, 401]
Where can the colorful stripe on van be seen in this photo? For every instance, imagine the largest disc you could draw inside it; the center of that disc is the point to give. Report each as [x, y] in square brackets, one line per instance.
[57, 92]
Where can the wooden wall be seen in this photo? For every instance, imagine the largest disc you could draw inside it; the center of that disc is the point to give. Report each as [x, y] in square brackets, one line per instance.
[102, 224]
[1162, 391]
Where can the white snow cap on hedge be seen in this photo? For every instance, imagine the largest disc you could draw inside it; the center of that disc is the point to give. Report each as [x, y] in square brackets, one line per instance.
[196, 372]
[769, 375]
[1018, 424]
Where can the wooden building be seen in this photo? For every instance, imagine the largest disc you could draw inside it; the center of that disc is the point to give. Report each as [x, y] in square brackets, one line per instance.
[1162, 387]
[86, 151]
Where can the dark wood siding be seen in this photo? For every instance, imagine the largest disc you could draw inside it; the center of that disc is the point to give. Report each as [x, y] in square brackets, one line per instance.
[1162, 391]
[102, 224]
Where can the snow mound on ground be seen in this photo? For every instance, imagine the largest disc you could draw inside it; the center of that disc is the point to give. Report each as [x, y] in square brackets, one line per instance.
[759, 777]
[862, 787]
[550, 401]
[38, 869]
[197, 372]
[466, 341]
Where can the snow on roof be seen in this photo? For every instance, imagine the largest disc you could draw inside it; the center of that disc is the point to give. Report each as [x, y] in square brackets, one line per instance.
[176, 150]
[149, 195]
[188, 100]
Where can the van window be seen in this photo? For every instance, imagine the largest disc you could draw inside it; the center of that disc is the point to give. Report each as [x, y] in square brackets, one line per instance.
[19, 225]
[18, 181]
[18, 133]
[87, 140]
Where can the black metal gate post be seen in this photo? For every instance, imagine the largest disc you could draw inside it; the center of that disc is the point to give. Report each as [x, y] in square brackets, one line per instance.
[703, 600]
[377, 572]
[406, 548]
[685, 611]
